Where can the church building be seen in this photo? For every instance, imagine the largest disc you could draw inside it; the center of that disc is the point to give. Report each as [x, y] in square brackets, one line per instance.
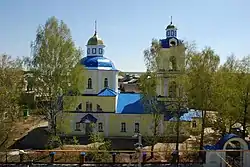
[101, 108]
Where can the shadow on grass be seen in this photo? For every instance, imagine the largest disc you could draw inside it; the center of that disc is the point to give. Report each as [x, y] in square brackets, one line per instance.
[35, 139]
[38, 139]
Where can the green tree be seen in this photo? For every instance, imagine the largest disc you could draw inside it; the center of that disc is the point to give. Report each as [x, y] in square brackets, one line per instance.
[152, 55]
[199, 77]
[155, 62]
[224, 97]
[55, 66]
[100, 149]
[147, 85]
[243, 92]
[11, 85]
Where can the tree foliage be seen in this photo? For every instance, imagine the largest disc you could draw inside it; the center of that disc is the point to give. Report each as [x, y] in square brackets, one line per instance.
[224, 97]
[151, 56]
[242, 95]
[11, 85]
[200, 82]
[55, 66]
[147, 84]
[100, 148]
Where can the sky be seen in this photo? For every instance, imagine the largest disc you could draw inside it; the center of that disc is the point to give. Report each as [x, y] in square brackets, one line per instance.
[128, 26]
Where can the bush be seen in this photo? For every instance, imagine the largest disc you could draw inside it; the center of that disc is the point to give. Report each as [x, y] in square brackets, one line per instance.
[99, 152]
[53, 142]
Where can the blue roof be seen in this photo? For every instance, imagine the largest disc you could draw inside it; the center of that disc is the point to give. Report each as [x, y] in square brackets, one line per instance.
[89, 117]
[220, 144]
[190, 115]
[129, 103]
[107, 92]
[186, 115]
[97, 63]
[165, 42]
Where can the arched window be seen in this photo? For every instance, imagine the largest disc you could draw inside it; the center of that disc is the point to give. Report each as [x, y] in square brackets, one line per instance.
[106, 83]
[172, 63]
[100, 50]
[172, 89]
[88, 106]
[94, 50]
[89, 83]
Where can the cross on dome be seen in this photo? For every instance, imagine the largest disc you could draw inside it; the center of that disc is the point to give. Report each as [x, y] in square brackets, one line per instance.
[95, 40]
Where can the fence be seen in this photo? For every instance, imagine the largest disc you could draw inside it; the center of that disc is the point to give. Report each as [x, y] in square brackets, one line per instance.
[95, 157]
[102, 158]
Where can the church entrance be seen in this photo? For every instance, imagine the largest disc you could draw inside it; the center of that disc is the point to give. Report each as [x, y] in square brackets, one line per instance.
[88, 121]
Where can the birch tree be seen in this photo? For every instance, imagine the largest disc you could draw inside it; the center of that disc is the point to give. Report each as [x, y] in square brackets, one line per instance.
[55, 66]
[200, 72]
[147, 85]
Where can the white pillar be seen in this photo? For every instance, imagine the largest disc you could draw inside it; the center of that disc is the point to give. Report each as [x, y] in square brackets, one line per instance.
[165, 87]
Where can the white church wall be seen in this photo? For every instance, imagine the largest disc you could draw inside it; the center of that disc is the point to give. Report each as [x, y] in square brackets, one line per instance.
[98, 77]
[112, 77]
[93, 74]
[76, 117]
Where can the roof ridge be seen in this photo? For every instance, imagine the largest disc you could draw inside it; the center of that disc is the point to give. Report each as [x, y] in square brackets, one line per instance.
[111, 91]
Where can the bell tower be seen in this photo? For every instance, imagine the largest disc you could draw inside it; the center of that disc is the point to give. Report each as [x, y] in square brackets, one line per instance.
[171, 60]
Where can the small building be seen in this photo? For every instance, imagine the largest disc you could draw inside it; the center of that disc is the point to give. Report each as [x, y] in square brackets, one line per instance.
[230, 150]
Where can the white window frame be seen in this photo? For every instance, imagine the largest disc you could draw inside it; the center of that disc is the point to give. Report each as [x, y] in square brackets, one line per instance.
[137, 127]
[100, 127]
[123, 127]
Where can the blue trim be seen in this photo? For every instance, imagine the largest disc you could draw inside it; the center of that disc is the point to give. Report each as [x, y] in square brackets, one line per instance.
[220, 144]
[165, 42]
[89, 117]
[97, 63]
[107, 92]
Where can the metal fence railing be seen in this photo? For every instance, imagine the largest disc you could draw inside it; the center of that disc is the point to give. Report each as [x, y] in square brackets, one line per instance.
[186, 158]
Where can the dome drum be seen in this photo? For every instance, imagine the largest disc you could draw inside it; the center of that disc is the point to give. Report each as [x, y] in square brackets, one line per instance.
[98, 63]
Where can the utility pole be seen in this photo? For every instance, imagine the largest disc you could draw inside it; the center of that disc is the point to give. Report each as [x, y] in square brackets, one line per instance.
[139, 147]
[177, 134]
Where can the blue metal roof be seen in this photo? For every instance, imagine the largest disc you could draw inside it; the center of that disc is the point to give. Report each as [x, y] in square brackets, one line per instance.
[165, 42]
[190, 115]
[97, 63]
[185, 115]
[129, 103]
[89, 117]
[107, 92]
[220, 144]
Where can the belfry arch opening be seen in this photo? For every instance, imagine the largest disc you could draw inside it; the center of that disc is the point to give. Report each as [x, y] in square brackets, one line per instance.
[172, 63]
[172, 43]
[172, 89]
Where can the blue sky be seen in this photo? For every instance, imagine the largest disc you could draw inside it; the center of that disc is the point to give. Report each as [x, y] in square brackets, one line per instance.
[127, 27]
